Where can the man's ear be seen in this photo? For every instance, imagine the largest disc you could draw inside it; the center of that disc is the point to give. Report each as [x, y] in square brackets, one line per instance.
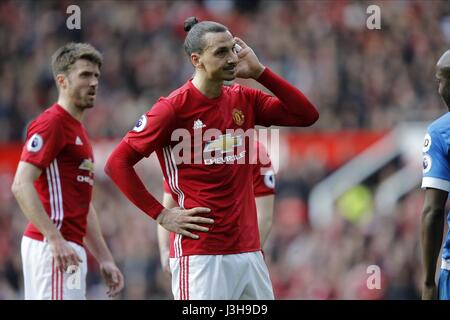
[196, 60]
[61, 80]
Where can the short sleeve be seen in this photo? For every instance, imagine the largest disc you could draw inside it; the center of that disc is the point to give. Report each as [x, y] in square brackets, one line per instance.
[45, 139]
[153, 130]
[436, 168]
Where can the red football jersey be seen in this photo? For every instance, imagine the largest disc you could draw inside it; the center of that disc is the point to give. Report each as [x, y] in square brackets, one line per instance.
[263, 175]
[58, 144]
[217, 182]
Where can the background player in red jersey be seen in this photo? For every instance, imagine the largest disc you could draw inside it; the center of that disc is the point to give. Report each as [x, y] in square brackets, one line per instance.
[53, 186]
[263, 189]
[226, 261]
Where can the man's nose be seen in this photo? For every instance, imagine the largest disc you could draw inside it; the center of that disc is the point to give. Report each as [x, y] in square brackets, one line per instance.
[233, 58]
[94, 82]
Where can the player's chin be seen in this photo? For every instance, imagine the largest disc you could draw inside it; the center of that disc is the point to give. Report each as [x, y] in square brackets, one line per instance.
[89, 102]
[229, 76]
[87, 105]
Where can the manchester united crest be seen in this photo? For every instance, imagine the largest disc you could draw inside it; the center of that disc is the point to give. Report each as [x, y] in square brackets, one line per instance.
[238, 117]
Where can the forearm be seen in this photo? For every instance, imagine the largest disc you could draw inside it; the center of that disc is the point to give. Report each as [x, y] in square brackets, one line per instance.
[164, 242]
[94, 239]
[164, 234]
[432, 233]
[264, 206]
[120, 168]
[28, 200]
[264, 225]
[292, 98]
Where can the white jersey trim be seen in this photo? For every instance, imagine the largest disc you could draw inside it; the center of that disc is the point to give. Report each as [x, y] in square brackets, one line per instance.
[441, 184]
[54, 190]
[445, 264]
[59, 189]
[172, 174]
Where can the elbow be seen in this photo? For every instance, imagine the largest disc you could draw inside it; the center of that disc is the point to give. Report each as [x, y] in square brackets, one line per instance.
[268, 225]
[314, 117]
[123, 158]
[111, 164]
[431, 212]
[15, 188]
[108, 169]
[311, 117]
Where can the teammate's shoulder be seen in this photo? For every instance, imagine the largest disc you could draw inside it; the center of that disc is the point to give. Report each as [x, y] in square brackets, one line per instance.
[439, 131]
[441, 124]
[49, 117]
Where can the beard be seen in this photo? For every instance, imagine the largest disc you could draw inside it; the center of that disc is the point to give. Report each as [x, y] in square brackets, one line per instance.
[85, 103]
[83, 100]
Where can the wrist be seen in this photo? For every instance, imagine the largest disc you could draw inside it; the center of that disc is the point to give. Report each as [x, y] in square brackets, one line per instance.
[106, 261]
[105, 258]
[259, 72]
[54, 236]
[160, 216]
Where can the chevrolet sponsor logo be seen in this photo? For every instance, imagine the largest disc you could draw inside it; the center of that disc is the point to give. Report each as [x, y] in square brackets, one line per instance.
[87, 164]
[225, 143]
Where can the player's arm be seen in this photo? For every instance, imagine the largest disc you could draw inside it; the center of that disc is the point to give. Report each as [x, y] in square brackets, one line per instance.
[264, 191]
[289, 107]
[120, 168]
[433, 220]
[28, 200]
[97, 246]
[436, 182]
[264, 209]
[163, 235]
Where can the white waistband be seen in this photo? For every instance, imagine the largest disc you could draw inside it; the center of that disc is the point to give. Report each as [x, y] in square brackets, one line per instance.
[445, 264]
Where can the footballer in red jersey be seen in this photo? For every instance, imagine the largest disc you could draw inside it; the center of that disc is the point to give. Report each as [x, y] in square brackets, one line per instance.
[53, 186]
[216, 248]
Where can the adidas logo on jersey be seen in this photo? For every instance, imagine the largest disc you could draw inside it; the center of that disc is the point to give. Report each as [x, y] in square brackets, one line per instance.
[78, 141]
[198, 124]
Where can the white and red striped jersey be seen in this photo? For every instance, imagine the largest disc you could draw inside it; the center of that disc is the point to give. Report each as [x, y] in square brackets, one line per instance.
[58, 144]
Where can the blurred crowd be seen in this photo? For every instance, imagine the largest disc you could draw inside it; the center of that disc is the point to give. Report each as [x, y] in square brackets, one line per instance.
[358, 78]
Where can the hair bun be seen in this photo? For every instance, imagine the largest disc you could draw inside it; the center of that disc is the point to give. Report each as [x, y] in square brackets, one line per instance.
[189, 23]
